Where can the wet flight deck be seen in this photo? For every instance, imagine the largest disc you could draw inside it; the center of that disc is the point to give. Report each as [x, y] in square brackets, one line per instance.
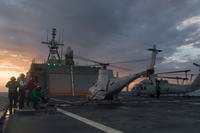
[132, 114]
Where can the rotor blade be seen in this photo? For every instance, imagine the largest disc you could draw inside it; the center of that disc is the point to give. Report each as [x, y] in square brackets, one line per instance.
[175, 72]
[135, 60]
[119, 67]
[196, 64]
[173, 78]
[181, 74]
[89, 60]
[130, 61]
[150, 49]
[114, 66]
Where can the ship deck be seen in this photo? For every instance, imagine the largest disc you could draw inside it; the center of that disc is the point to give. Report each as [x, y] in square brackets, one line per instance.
[132, 114]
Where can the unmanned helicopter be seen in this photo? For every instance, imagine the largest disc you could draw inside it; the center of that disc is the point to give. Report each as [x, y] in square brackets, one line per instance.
[148, 86]
[108, 87]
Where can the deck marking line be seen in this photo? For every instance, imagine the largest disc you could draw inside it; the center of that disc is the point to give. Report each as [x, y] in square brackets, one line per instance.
[90, 122]
[58, 100]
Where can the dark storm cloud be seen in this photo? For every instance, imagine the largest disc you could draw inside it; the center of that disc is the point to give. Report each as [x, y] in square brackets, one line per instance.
[99, 29]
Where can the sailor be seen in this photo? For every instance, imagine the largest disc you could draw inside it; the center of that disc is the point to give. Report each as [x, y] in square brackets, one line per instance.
[12, 86]
[22, 89]
[157, 88]
[35, 96]
[30, 86]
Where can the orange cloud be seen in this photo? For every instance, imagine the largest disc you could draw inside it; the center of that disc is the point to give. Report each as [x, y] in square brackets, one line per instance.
[12, 63]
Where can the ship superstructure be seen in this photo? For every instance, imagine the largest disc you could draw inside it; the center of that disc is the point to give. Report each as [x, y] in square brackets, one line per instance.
[59, 76]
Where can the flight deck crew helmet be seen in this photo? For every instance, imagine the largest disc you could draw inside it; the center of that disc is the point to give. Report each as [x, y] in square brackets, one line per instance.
[38, 87]
[22, 75]
[13, 78]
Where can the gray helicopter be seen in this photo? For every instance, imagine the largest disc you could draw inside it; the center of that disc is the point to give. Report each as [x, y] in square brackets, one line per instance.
[148, 86]
[108, 87]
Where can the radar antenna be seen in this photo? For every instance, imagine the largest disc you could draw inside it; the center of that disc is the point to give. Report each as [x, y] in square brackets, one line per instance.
[53, 46]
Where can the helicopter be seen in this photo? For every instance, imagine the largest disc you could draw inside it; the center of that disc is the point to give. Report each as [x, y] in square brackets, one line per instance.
[147, 86]
[108, 87]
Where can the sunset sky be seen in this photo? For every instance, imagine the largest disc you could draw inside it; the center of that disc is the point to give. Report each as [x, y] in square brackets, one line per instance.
[104, 30]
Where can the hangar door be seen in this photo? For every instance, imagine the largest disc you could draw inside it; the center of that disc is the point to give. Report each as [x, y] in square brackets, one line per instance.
[59, 83]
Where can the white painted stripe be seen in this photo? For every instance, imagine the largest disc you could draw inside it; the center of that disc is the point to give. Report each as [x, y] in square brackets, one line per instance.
[90, 122]
[57, 100]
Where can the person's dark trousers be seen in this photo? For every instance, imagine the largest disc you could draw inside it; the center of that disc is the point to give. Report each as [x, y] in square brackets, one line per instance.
[12, 99]
[28, 98]
[35, 103]
[15, 99]
[21, 98]
[158, 94]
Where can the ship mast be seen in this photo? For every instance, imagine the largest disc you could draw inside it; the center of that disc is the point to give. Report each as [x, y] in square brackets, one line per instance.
[53, 46]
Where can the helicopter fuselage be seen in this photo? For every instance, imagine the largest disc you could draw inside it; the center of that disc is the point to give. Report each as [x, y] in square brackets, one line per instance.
[107, 89]
[146, 87]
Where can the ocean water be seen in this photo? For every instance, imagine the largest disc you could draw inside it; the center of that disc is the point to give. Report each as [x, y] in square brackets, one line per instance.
[3, 101]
